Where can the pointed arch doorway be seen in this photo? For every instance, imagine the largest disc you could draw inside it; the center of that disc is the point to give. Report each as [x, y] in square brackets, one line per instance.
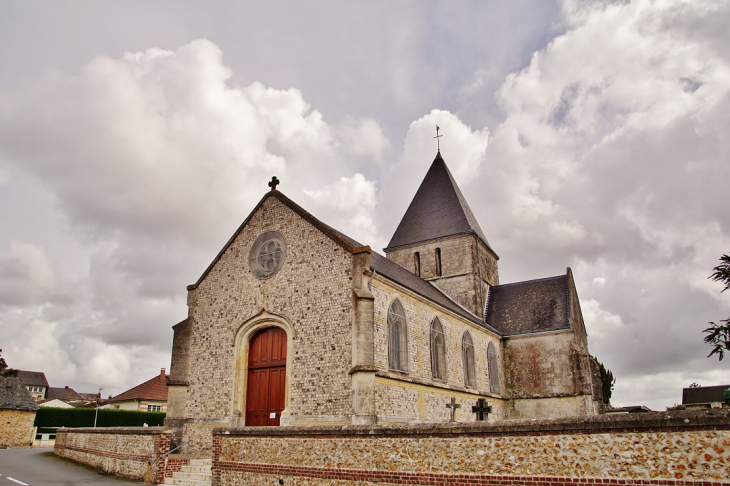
[266, 383]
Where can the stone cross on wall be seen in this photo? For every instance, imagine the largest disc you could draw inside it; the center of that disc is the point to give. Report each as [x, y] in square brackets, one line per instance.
[274, 182]
[453, 406]
[482, 409]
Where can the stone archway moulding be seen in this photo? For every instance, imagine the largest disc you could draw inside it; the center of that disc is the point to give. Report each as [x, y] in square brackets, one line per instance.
[262, 320]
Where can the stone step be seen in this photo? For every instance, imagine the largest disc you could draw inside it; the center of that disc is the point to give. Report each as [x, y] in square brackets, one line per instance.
[196, 469]
[198, 476]
[186, 482]
[197, 473]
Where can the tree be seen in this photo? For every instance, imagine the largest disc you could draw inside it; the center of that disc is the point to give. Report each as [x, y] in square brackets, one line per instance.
[718, 335]
[4, 370]
[607, 382]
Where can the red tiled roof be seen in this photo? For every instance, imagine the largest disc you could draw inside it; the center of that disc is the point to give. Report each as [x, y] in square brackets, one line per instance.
[152, 389]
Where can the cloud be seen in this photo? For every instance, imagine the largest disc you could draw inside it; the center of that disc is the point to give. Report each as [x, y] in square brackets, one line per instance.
[363, 137]
[350, 206]
[154, 158]
[609, 159]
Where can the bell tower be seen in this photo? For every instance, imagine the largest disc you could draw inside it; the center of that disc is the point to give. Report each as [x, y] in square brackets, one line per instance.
[439, 240]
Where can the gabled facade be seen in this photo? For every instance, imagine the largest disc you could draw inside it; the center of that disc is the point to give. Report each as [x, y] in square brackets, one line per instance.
[295, 323]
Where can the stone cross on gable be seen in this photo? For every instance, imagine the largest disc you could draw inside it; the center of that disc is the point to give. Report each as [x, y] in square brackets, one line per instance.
[482, 409]
[453, 406]
[274, 182]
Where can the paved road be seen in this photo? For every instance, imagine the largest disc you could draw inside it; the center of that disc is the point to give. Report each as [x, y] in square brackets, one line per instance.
[39, 467]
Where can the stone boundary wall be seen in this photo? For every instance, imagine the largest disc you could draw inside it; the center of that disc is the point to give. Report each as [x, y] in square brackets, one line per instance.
[682, 448]
[132, 452]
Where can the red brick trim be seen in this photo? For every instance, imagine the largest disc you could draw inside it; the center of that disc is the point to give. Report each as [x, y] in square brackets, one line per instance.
[438, 479]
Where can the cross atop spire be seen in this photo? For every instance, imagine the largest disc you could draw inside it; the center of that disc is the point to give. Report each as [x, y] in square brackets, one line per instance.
[438, 144]
[274, 182]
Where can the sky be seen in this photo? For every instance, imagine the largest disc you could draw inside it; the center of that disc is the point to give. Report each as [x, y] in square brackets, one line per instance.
[136, 136]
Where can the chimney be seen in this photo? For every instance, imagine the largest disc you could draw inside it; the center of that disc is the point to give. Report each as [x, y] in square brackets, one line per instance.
[162, 374]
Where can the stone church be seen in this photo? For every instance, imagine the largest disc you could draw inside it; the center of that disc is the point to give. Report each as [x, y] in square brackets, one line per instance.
[295, 323]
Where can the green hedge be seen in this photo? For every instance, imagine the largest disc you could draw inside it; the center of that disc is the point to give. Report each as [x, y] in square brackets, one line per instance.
[84, 417]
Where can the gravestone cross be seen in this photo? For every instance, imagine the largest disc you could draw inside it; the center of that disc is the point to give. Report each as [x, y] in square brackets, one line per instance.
[482, 409]
[453, 406]
[274, 182]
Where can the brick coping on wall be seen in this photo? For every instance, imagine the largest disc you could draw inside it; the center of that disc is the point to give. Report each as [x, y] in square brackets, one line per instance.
[679, 420]
[445, 479]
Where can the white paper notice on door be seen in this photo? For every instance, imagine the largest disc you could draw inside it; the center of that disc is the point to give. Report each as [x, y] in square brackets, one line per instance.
[272, 415]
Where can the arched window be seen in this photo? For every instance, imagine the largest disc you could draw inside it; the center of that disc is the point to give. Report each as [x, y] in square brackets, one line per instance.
[493, 368]
[467, 348]
[397, 337]
[438, 351]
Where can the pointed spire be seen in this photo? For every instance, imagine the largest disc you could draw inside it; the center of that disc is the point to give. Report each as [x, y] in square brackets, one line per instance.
[438, 209]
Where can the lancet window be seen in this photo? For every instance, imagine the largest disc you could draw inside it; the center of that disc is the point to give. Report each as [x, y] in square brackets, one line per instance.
[493, 368]
[438, 351]
[467, 347]
[397, 337]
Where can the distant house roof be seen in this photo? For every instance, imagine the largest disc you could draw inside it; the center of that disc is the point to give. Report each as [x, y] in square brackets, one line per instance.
[528, 307]
[152, 389]
[54, 403]
[65, 394]
[438, 209]
[32, 378]
[14, 396]
[703, 394]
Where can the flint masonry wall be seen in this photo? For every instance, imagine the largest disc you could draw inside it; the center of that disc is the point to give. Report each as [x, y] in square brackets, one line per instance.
[132, 452]
[678, 448]
[416, 395]
[312, 292]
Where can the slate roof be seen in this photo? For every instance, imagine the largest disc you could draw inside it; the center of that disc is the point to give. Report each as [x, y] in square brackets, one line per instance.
[703, 394]
[64, 394]
[529, 307]
[14, 396]
[438, 209]
[152, 389]
[32, 378]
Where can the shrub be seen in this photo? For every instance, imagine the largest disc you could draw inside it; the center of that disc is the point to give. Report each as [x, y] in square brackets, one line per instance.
[84, 417]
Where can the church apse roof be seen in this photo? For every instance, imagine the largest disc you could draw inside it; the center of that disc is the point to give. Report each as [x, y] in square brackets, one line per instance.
[529, 307]
[438, 209]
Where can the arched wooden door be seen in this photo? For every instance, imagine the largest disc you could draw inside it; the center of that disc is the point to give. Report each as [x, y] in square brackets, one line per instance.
[266, 377]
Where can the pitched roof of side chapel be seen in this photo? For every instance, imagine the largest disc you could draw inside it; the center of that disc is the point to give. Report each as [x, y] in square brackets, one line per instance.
[438, 209]
[152, 389]
[529, 307]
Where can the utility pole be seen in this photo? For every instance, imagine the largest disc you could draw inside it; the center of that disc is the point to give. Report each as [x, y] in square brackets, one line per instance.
[96, 414]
